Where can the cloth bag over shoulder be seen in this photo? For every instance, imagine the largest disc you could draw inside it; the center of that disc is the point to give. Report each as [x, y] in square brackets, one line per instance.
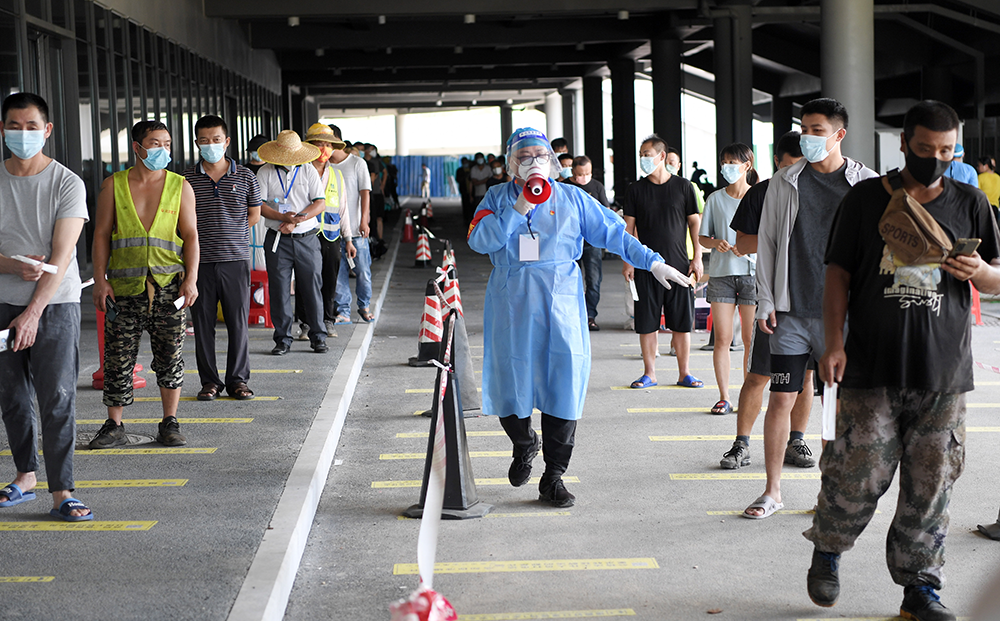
[909, 230]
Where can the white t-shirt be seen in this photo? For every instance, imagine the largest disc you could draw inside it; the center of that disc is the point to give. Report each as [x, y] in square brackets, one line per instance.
[307, 187]
[478, 173]
[29, 208]
[356, 178]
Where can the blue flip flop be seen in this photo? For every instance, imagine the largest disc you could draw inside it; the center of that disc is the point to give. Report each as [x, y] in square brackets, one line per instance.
[691, 381]
[642, 382]
[15, 496]
[69, 505]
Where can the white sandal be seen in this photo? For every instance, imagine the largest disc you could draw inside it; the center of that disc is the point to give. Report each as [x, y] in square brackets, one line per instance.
[767, 504]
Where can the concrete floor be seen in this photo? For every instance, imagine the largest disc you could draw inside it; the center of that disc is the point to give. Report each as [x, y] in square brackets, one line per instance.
[641, 540]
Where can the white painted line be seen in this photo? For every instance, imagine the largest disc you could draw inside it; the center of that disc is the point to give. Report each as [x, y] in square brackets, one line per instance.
[268, 584]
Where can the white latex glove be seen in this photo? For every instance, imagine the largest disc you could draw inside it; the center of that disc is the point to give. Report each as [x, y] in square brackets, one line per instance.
[665, 274]
[522, 205]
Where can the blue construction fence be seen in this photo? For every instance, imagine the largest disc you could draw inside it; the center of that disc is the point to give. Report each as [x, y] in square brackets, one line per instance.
[442, 167]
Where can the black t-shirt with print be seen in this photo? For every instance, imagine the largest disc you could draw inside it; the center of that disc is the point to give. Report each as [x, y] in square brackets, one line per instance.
[661, 212]
[908, 327]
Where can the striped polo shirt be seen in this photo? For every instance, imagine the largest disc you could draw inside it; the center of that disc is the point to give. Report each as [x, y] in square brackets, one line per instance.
[223, 231]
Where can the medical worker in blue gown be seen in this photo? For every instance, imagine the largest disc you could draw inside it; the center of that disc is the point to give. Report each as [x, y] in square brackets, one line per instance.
[536, 342]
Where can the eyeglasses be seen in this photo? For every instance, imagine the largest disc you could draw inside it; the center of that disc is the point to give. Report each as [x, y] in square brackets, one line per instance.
[526, 160]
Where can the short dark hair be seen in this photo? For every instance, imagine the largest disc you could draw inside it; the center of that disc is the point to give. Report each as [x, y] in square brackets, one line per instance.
[478, 155]
[788, 144]
[658, 143]
[142, 129]
[832, 109]
[934, 115]
[987, 161]
[581, 160]
[336, 131]
[564, 156]
[674, 151]
[20, 101]
[559, 143]
[211, 121]
[743, 153]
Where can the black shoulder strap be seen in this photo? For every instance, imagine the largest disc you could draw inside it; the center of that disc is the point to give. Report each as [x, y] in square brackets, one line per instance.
[895, 179]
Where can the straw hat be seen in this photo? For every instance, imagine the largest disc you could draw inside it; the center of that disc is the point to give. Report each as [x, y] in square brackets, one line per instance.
[287, 150]
[319, 132]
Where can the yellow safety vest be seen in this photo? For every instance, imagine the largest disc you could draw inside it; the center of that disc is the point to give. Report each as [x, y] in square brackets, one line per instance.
[136, 253]
[330, 218]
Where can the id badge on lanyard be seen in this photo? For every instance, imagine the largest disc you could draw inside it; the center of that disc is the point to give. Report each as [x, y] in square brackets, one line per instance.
[528, 249]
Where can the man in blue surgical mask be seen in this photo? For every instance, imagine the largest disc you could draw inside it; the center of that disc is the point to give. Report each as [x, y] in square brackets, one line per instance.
[795, 224]
[227, 202]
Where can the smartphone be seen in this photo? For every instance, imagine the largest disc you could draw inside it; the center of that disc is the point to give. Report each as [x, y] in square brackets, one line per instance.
[112, 312]
[964, 246]
[6, 339]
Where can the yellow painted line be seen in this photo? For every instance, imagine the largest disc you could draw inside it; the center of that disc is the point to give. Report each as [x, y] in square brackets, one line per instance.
[9, 579]
[554, 614]
[987, 383]
[644, 410]
[107, 525]
[137, 451]
[983, 429]
[866, 619]
[417, 483]
[421, 391]
[982, 405]
[810, 436]
[125, 483]
[138, 421]
[255, 371]
[217, 399]
[586, 564]
[533, 411]
[663, 387]
[742, 476]
[516, 515]
[424, 434]
[396, 456]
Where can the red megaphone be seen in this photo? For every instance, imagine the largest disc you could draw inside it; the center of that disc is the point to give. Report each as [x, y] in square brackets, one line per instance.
[537, 189]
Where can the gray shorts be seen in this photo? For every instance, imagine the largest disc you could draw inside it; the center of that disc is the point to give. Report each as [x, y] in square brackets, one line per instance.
[732, 290]
[796, 343]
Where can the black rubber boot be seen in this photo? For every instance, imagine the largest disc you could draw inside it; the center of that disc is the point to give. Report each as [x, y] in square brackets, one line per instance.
[823, 580]
[526, 444]
[558, 439]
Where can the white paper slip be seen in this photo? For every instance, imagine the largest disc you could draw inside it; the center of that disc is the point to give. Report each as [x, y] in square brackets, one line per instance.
[829, 412]
[46, 267]
[528, 248]
[350, 262]
[86, 283]
[179, 302]
[635, 294]
[274, 246]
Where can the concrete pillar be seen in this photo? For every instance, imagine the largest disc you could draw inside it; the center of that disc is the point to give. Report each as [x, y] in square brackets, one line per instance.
[553, 115]
[666, 57]
[733, 77]
[593, 123]
[402, 148]
[847, 67]
[623, 121]
[781, 118]
[569, 118]
[506, 126]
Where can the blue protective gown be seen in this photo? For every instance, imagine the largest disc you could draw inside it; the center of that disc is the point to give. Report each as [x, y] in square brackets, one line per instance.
[535, 336]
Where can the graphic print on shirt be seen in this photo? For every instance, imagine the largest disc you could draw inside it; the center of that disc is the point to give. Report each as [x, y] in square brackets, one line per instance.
[912, 285]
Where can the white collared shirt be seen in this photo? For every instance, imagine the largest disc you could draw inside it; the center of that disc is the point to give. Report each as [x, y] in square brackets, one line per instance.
[274, 185]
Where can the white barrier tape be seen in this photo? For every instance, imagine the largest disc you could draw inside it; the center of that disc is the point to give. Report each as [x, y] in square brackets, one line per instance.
[988, 367]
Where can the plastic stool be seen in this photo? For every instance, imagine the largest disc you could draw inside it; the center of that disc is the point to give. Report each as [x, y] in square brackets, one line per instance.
[260, 313]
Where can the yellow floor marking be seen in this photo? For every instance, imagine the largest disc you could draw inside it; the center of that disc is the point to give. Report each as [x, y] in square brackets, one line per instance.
[125, 483]
[664, 387]
[554, 614]
[404, 569]
[137, 421]
[516, 515]
[644, 410]
[533, 411]
[983, 429]
[421, 391]
[866, 619]
[987, 383]
[144, 399]
[424, 434]
[810, 436]
[95, 525]
[982, 405]
[193, 371]
[396, 456]
[138, 451]
[742, 476]
[9, 579]
[504, 481]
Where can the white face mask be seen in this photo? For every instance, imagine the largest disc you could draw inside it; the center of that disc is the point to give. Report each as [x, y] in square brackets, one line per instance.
[731, 173]
[647, 164]
[673, 170]
[583, 179]
[497, 170]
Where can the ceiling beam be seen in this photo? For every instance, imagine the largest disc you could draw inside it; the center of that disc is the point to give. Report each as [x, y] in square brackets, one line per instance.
[429, 74]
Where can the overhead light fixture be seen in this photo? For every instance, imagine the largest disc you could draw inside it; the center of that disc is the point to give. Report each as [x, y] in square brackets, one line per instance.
[388, 50]
[381, 19]
[474, 101]
[510, 101]
[320, 51]
[458, 49]
[293, 21]
[470, 18]
[438, 102]
[623, 15]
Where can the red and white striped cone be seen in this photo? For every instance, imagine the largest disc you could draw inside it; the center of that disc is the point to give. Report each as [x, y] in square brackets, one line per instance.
[431, 328]
[430, 210]
[408, 237]
[423, 250]
[452, 294]
[448, 258]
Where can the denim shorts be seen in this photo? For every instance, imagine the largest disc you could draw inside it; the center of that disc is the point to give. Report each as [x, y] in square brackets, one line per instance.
[732, 290]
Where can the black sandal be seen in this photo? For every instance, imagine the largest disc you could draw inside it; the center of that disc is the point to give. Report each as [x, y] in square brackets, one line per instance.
[240, 392]
[208, 392]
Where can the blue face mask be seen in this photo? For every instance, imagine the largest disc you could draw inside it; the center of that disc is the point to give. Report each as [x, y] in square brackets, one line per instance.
[156, 158]
[647, 164]
[24, 144]
[255, 157]
[814, 147]
[731, 173]
[565, 172]
[212, 153]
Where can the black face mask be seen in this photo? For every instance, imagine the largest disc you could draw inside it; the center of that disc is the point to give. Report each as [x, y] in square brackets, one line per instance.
[925, 170]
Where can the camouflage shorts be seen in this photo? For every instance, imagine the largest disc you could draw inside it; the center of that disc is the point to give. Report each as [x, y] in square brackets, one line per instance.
[165, 325]
[923, 433]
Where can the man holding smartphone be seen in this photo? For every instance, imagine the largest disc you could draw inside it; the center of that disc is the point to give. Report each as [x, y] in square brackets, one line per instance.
[905, 367]
[42, 211]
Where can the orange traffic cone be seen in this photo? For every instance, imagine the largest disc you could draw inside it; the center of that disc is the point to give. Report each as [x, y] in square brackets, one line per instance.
[408, 237]
[423, 250]
[430, 210]
[138, 381]
[431, 327]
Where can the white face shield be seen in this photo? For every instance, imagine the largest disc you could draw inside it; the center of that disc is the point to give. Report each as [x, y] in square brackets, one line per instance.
[528, 153]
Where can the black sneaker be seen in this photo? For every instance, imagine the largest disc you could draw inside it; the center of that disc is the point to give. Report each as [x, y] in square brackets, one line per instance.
[170, 433]
[798, 454]
[520, 468]
[110, 434]
[280, 349]
[320, 347]
[555, 493]
[736, 457]
[921, 603]
[823, 581]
